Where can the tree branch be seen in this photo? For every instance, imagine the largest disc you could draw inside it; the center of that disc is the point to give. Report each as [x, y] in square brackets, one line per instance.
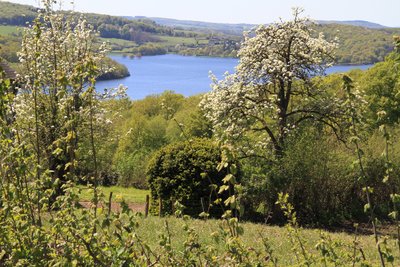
[267, 129]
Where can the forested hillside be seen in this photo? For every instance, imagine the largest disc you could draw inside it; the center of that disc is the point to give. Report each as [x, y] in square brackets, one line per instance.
[140, 36]
[359, 45]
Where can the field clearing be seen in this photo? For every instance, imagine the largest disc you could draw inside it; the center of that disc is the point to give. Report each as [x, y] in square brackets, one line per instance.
[116, 41]
[171, 40]
[128, 194]
[8, 30]
[152, 227]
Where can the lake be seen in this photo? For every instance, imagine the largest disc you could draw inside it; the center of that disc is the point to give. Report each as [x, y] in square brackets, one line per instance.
[187, 75]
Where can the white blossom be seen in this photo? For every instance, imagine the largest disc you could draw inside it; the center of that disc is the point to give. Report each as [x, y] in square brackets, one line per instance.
[276, 64]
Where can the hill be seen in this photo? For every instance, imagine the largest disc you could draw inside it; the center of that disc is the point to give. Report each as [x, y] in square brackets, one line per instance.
[361, 42]
[227, 28]
[359, 23]
[359, 45]
[238, 28]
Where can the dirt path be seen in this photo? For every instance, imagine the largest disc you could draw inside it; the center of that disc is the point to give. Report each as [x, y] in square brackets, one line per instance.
[137, 207]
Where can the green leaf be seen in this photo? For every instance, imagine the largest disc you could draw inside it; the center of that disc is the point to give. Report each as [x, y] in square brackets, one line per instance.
[230, 178]
[57, 151]
[367, 207]
[204, 215]
[395, 198]
[223, 188]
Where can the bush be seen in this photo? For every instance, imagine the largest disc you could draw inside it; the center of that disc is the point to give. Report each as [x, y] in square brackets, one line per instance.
[186, 172]
[313, 173]
[322, 179]
[118, 71]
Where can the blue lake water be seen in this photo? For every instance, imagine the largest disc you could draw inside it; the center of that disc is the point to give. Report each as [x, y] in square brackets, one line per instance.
[187, 75]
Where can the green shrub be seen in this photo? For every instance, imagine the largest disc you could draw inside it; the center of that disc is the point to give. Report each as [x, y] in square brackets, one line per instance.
[312, 171]
[186, 172]
[118, 70]
[322, 179]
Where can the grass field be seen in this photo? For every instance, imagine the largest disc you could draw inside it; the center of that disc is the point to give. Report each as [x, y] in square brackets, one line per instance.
[129, 194]
[124, 46]
[172, 41]
[152, 227]
[7, 30]
[116, 41]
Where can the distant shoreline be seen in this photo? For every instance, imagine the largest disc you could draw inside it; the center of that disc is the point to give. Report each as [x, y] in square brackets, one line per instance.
[221, 56]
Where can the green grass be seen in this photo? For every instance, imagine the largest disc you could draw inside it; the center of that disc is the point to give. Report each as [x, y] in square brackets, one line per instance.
[129, 194]
[172, 41]
[119, 45]
[8, 30]
[166, 41]
[152, 227]
[116, 41]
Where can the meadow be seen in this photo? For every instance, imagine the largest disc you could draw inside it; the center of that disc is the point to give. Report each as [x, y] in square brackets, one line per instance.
[128, 194]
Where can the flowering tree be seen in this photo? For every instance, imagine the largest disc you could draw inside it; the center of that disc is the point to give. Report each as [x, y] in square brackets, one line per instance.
[272, 91]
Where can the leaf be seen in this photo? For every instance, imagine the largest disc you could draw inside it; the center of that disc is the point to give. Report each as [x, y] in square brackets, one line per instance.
[395, 198]
[230, 201]
[57, 151]
[121, 251]
[204, 215]
[354, 139]
[227, 214]
[230, 178]
[240, 230]
[369, 189]
[393, 215]
[238, 188]
[67, 166]
[223, 188]
[213, 186]
[367, 207]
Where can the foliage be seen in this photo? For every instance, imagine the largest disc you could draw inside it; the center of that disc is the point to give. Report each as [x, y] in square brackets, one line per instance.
[358, 45]
[111, 111]
[147, 125]
[186, 172]
[9, 46]
[59, 59]
[143, 136]
[111, 69]
[16, 14]
[149, 49]
[65, 122]
[381, 87]
[321, 175]
[269, 106]
[397, 43]
[210, 51]
[271, 92]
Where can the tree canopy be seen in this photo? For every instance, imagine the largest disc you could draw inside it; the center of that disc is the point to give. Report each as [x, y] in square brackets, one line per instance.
[272, 91]
[55, 105]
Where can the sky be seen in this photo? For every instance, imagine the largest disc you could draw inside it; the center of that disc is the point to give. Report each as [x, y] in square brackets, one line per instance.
[385, 12]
